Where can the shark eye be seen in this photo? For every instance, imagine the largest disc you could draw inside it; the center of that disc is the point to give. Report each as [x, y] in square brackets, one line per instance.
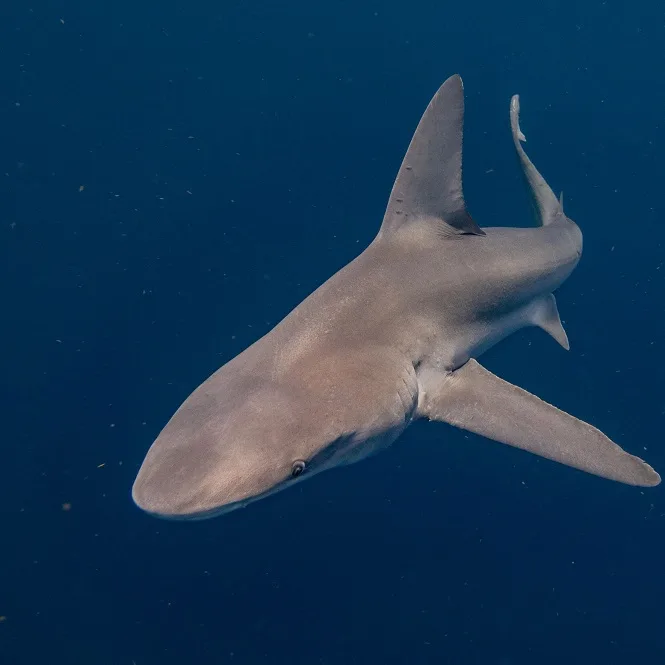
[297, 468]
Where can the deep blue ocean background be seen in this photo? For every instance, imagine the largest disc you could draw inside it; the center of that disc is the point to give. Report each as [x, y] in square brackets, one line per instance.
[174, 178]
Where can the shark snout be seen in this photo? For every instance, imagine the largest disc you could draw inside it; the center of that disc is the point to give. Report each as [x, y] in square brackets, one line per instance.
[188, 502]
[180, 502]
[163, 499]
[157, 505]
[173, 485]
[222, 475]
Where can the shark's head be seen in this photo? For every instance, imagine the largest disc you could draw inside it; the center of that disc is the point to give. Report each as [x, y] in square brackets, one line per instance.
[213, 457]
[240, 438]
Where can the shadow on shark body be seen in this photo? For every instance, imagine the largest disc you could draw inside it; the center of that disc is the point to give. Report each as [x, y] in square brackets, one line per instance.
[393, 336]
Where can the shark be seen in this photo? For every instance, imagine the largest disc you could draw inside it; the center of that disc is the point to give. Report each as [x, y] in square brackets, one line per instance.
[392, 337]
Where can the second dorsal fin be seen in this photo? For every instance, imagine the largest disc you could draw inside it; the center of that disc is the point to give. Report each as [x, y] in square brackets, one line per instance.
[428, 187]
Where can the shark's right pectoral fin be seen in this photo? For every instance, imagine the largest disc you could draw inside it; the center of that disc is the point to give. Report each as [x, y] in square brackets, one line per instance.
[474, 399]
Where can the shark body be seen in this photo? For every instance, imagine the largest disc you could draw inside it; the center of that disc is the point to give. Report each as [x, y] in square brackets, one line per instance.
[393, 336]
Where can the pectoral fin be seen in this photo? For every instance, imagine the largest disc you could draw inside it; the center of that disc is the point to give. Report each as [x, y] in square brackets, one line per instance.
[474, 399]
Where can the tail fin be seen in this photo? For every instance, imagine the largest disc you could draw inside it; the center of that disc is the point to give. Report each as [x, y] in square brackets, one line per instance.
[548, 207]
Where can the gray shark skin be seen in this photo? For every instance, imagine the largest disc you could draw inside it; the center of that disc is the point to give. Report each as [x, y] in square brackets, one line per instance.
[393, 336]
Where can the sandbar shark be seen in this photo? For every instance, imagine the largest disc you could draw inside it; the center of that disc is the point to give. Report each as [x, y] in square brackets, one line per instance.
[393, 336]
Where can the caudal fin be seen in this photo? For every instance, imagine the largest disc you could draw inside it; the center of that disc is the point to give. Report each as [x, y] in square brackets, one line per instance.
[548, 206]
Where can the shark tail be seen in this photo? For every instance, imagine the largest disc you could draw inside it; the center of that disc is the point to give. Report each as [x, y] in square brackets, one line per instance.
[549, 209]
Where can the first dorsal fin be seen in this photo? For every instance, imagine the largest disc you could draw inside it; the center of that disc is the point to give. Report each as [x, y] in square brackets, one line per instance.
[429, 183]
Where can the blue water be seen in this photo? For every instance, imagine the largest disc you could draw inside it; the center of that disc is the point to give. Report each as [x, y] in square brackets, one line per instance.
[174, 178]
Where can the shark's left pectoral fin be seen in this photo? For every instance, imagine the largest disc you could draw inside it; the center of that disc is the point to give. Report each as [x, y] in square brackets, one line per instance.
[474, 399]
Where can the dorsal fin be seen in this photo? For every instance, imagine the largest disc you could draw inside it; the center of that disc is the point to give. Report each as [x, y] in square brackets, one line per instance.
[429, 183]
